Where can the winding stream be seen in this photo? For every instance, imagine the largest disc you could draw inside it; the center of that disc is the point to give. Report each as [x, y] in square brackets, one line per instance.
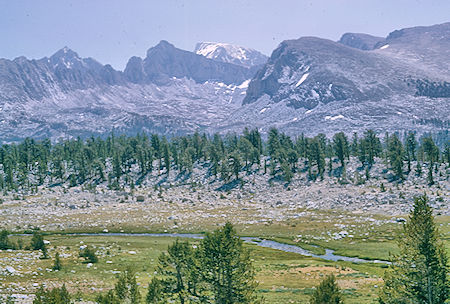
[329, 253]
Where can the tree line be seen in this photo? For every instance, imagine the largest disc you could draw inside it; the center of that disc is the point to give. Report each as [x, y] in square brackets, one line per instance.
[126, 160]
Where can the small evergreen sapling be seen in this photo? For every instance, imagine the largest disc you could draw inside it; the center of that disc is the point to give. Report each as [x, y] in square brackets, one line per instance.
[57, 264]
[327, 292]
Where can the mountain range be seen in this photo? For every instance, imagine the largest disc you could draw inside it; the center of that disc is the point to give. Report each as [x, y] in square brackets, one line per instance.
[309, 85]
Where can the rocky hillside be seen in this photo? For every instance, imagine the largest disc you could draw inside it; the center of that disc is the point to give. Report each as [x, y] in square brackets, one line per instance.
[165, 61]
[171, 91]
[22, 79]
[316, 85]
[360, 41]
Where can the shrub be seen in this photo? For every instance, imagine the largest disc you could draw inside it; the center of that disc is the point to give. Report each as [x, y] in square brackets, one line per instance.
[89, 255]
[327, 292]
[54, 296]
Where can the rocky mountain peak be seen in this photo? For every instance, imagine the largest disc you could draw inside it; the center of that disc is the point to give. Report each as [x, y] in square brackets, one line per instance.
[165, 61]
[162, 46]
[65, 53]
[309, 85]
[360, 41]
[66, 58]
[230, 53]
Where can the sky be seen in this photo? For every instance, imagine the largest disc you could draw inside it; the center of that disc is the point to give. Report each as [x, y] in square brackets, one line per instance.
[111, 31]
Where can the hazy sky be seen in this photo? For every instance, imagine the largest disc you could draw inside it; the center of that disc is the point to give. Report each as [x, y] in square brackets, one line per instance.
[113, 31]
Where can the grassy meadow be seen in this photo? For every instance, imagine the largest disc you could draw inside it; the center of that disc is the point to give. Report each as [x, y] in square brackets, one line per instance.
[283, 277]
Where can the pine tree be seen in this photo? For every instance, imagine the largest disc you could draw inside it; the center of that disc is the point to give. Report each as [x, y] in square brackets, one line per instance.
[228, 269]
[287, 172]
[354, 145]
[166, 154]
[54, 296]
[155, 294]
[37, 243]
[134, 296]
[109, 298]
[327, 292]
[235, 164]
[340, 146]
[395, 155]
[125, 290]
[273, 143]
[246, 148]
[57, 264]
[419, 273]
[4, 240]
[372, 146]
[224, 170]
[410, 147]
[316, 155]
[446, 153]
[179, 271]
[116, 166]
[431, 152]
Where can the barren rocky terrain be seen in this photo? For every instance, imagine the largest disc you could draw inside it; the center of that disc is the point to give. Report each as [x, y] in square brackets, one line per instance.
[189, 202]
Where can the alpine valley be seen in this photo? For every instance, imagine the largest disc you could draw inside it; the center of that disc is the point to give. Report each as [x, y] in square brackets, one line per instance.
[309, 85]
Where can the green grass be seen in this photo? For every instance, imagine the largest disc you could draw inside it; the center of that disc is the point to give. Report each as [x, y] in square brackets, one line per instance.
[283, 277]
[368, 250]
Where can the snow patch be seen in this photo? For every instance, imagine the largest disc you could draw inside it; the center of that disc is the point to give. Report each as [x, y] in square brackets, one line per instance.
[304, 76]
[334, 117]
[209, 50]
[244, 85]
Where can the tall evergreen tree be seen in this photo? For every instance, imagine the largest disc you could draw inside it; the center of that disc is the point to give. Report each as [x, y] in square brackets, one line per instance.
[340, 147]
[354, 145]
[180, 276]
[395, 155]
[372, 146]
[316, 155]
[228, 268]
[235, 164]
[410, 148]
[166, 154]
[431, 152]
[419, 274]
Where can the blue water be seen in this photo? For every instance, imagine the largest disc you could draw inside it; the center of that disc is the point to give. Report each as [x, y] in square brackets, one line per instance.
[329, 253]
